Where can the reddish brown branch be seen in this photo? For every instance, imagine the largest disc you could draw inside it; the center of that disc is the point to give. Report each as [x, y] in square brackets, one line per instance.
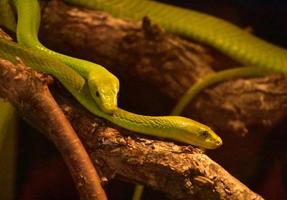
[170, 65]
[140, 53]
[28, 92]
[180, 171]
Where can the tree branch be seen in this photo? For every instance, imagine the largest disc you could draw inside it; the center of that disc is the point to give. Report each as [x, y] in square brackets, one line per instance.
[28, 92]
[155, 68]
[143, 52]
[183, 172]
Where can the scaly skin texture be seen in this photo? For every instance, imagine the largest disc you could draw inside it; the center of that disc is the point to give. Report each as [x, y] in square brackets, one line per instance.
[172, 127]
[104, 86]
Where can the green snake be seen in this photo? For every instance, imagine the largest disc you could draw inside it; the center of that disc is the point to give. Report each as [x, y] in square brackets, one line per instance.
[220, 34]
[172, 127]
[104, 86]
[232, 41]
[225, 37]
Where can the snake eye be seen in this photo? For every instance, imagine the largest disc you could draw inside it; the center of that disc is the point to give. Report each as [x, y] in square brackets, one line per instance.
[97, 94]
[204, 134]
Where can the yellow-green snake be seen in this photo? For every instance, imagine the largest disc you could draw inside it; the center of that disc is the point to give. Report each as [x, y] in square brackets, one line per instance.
[86, 86]
[104, 86]
[220, 34]
[172, 127]
[261, 56]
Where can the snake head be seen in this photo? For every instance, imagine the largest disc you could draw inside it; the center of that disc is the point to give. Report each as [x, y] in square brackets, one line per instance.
[197, 134]
[104, 90]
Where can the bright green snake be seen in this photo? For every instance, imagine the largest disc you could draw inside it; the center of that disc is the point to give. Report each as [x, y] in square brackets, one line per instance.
[104, 86]
[222, 35]
[99, 97]
[172, 127]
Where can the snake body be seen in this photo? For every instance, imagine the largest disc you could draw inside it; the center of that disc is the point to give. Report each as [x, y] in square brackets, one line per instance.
[222, 35]
[227, 38]
[104, 86]
[172, 127]
[241, 46]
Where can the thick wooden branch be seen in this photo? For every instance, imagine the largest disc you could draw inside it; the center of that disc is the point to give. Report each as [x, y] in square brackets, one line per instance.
[171, 65]
[28, 91]
[144, 53]
[156, 68]
[183, 172]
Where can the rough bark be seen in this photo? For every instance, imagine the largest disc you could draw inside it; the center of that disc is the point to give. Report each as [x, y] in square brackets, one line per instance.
[156, 68]
[183, 172]
[144, 53]
[28, 91]
[139, 51]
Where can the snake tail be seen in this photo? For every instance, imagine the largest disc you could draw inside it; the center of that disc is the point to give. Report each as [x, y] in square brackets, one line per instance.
[212, 79]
